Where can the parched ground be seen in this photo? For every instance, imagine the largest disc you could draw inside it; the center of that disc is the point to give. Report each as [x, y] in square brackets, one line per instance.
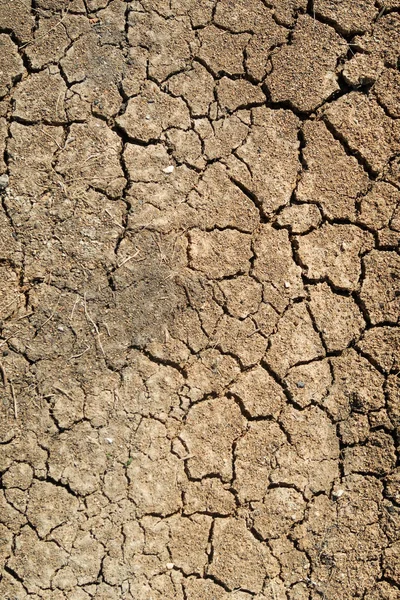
[199, 299]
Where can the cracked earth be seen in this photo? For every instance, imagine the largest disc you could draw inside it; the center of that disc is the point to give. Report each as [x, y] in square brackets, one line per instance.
[199, 302]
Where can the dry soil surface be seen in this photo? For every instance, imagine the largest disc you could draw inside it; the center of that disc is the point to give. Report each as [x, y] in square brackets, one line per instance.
[199, 300]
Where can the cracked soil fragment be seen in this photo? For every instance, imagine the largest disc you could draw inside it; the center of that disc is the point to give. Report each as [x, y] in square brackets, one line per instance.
[303, 73]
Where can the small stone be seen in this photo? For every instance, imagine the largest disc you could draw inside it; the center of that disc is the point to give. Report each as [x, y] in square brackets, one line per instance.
[287, 285]
[337, 494]
[60, 328]
[3, 181]
[109, 440]
[301, 384]
[169, 169]
[147, 117]
[170, 566]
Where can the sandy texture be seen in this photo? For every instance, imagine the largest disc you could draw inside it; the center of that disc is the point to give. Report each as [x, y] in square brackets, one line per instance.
[199, 300]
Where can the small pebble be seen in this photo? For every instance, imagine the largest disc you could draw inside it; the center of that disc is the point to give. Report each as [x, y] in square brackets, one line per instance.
[170, 566]
[301, 384]
[287, 284]
[60, 328]
[148, 117]
[3, 181]
[109, 440]
[338, 494]
[169, 169]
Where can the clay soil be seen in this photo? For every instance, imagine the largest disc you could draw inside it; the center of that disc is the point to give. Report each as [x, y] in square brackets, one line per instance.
[199, 299]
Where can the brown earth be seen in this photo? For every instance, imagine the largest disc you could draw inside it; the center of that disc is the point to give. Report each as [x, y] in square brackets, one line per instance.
[199, 300]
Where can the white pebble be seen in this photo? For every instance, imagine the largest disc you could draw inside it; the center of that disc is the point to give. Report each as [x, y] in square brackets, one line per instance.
[287, 284]
[3, 181]
[338, 493]
[170, 566]
[169, 169]
[109, 440]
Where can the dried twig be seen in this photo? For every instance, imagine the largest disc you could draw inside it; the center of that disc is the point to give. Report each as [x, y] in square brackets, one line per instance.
[28, 314]
[6, 340]
[58, 100]
[89, 318]
[80, 354]
[51, 316]
[125, 260]
[254, 332]
[381, 12]
[3, 374]
[106, 328]
[73, 308]
[50, 137]
[113, 220]
[162, 254]
[14, 400]
[40, 37]
[3, 308]
[63, 392]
